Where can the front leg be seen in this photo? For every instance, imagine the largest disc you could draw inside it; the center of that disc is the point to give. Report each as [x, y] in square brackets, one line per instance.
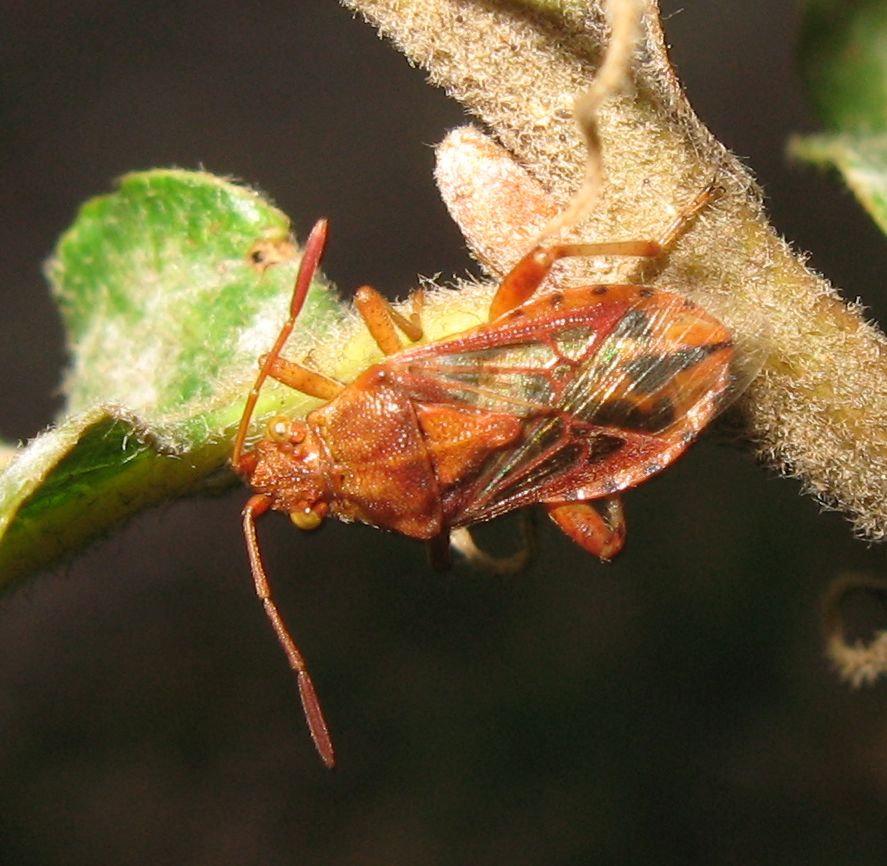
[381, 318]
[602, 534]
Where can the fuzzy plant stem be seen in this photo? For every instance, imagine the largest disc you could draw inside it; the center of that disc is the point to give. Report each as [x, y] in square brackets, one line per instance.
[818, 410]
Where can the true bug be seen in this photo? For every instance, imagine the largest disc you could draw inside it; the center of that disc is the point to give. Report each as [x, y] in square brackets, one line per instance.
[565, 399]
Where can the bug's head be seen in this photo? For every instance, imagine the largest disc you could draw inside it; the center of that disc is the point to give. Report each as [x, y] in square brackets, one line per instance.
[287, 467]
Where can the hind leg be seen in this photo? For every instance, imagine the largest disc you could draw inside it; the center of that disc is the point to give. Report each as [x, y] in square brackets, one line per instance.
[601, 532]
[528, 274]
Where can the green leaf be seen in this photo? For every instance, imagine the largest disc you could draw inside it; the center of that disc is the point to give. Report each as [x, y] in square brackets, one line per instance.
[843, 57]
[169, 298]
[843, 54]
[862, 160]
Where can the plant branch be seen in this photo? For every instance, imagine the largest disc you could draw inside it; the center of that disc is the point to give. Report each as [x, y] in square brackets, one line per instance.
[818, 410]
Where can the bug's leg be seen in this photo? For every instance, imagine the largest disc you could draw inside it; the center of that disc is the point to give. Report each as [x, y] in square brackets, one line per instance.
[417, 299]
[527, 275]
[303, 379]
[600, 534]
[381, 318]
[686, 215]
[255, 507]
[462, 542]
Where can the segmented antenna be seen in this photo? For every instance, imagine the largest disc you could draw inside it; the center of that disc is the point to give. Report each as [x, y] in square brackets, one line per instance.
[307, 267]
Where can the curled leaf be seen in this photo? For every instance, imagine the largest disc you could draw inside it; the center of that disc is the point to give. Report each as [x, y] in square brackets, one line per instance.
[168, 297]
[857, 661]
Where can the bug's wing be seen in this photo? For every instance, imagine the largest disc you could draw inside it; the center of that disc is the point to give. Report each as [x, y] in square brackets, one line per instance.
[608, 395]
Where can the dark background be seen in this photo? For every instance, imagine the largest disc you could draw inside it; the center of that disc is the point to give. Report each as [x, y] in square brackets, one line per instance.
[673, 707]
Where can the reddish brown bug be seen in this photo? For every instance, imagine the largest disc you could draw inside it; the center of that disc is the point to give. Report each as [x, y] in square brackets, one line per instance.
[564, 400]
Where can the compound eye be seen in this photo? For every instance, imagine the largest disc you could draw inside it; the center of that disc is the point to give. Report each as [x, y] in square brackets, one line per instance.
[282, 430]
[279, 429]
[309, 517]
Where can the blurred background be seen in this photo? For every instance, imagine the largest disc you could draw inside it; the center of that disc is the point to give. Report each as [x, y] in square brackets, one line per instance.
[672, 707]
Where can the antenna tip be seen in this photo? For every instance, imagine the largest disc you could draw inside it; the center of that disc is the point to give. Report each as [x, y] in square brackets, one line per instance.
[319, 231]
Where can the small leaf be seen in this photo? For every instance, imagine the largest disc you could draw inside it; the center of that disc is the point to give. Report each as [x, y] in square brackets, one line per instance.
[168, 296]
[843, 54]
[862, 160]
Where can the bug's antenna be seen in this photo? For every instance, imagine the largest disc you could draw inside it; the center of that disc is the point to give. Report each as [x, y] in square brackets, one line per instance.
[307, 267]
[255, 507]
